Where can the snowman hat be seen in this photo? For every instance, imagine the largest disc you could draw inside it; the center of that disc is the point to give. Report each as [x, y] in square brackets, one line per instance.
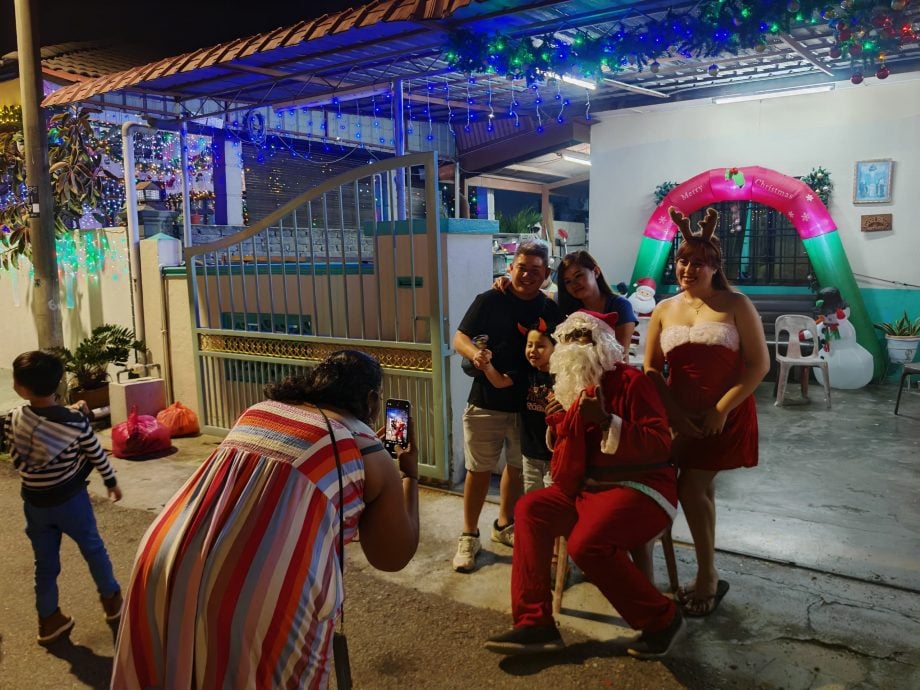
[647, 282]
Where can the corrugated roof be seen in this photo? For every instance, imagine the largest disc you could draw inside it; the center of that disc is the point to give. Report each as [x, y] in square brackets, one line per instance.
[81, 61]
[360, 51]
[294, 37]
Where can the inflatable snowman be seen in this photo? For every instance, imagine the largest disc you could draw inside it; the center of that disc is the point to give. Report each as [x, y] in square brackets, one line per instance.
[849, 364]
[643, 303]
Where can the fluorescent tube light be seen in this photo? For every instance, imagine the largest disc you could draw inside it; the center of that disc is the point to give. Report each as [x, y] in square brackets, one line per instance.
[763, 95]
[574, 81]
[574, 157]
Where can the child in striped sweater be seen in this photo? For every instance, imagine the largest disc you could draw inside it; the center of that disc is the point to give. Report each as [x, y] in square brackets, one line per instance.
[54, 449]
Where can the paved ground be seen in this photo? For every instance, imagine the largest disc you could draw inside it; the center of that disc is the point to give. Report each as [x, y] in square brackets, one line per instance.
[835, 494]
[780, 627]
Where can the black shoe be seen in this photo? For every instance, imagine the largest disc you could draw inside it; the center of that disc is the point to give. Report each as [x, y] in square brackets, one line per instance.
[651, 645]
[527, 640]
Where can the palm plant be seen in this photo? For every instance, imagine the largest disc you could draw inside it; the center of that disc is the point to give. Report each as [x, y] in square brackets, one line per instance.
[902, 327]
[521, 222]
[88, 364]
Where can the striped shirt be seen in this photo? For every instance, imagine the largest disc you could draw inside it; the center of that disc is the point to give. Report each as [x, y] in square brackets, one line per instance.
[237, 583]
[54, 449]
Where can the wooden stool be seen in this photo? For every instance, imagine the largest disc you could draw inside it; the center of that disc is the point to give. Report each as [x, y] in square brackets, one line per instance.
[562, 566]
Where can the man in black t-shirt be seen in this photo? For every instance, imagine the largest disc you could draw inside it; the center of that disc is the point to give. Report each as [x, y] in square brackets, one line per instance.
[487, 334]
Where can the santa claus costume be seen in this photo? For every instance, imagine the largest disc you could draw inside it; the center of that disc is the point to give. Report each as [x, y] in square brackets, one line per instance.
[614, 489]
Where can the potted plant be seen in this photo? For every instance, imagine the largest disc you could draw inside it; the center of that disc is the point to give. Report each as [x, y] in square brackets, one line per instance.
[521, 222]
[88, 365]
[902, 337]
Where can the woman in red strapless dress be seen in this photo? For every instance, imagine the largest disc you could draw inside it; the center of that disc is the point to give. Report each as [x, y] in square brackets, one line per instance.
[712, 340]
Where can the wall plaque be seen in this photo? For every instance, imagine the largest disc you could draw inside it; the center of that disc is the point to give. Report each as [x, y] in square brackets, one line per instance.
[875, 222]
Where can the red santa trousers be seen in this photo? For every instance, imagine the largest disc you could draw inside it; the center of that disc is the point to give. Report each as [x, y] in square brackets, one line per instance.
[600, 528]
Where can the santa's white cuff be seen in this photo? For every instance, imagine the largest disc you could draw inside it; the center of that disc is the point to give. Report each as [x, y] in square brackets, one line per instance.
[610, 441]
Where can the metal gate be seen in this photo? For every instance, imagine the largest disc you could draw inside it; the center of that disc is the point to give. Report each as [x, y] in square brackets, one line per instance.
[354, 263]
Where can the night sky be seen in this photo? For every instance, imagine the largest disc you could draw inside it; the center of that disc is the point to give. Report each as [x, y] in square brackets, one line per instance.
[181, 25]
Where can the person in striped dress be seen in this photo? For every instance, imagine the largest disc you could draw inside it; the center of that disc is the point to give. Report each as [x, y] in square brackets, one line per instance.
[237, 583]
[54, 449]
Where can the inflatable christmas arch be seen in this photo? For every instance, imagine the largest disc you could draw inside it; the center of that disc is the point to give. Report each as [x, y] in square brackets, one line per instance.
[787, 195]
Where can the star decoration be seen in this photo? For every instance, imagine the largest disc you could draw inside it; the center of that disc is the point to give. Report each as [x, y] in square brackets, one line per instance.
[806, 216]
[809, 197]
[791, 214]
[662, 220]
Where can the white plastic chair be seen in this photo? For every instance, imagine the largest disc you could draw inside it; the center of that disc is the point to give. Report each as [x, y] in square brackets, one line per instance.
[787, 332]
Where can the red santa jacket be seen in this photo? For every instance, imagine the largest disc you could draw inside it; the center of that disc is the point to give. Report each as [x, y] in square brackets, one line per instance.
[635, 451]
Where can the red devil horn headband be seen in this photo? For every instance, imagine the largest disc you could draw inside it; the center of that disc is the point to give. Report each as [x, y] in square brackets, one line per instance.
[540, 327]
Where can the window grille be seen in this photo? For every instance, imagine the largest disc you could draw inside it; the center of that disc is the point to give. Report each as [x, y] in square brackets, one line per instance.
[760, 246]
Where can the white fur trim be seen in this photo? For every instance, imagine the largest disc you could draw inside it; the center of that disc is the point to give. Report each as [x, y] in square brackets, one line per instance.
[703, 333]
[610, 441]
[605, 340]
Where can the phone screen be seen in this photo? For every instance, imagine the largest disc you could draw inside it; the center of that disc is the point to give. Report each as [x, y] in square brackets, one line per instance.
[396, 425]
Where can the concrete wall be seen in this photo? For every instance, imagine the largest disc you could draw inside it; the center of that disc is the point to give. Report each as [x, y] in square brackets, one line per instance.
[91, 300]
[633, 151]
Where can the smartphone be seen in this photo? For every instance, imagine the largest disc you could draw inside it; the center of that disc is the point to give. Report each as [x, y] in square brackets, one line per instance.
[396, 425]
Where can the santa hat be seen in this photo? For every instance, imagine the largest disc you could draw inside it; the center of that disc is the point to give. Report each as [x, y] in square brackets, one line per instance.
[610, 320]
[647, 282]
[601, 327]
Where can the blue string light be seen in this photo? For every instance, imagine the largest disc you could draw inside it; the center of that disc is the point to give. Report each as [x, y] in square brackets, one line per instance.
[491, 126]
[409, 105]
[450, 112]
[469, 101]
[428, 90]
[512, 109]
[358, 125]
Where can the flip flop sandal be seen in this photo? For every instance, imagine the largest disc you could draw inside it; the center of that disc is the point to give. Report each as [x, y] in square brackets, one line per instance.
[709, 604]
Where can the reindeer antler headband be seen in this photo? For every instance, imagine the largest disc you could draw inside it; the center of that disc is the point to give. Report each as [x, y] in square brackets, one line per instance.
[707, 225]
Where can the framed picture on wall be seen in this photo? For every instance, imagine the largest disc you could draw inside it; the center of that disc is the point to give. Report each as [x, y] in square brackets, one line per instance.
[872, 181]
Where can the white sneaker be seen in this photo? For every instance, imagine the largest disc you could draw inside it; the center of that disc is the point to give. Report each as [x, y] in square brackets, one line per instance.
[467, 548]
[505, 535]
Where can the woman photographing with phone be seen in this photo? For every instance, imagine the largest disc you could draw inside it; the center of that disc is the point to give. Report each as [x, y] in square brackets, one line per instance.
[238, 581]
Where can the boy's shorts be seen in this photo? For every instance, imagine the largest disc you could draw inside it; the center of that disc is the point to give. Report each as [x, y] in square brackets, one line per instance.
[536, 474]
[485, 434]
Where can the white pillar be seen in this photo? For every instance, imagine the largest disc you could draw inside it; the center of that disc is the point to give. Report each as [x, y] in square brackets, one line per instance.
[234, 184]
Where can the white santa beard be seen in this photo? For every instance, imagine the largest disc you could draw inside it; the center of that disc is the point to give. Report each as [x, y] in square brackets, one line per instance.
[575, 367]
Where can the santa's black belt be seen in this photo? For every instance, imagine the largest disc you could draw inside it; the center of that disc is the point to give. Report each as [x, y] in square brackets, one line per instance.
[598, 472]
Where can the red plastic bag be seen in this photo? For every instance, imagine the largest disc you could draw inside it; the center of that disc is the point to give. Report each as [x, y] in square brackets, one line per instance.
[140, 435]
[179, 419]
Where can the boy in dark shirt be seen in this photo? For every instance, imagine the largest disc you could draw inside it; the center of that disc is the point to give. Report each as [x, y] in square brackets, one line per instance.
[54, 449]
[535, 452]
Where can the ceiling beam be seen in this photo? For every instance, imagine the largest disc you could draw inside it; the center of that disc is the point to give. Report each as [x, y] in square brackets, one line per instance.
[584, 177]
[337, 95]
[505, 183]
[635, 89]
[806, 54]
[519, 167]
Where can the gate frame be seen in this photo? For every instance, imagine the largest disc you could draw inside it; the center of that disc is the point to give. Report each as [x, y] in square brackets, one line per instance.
[317, 347]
